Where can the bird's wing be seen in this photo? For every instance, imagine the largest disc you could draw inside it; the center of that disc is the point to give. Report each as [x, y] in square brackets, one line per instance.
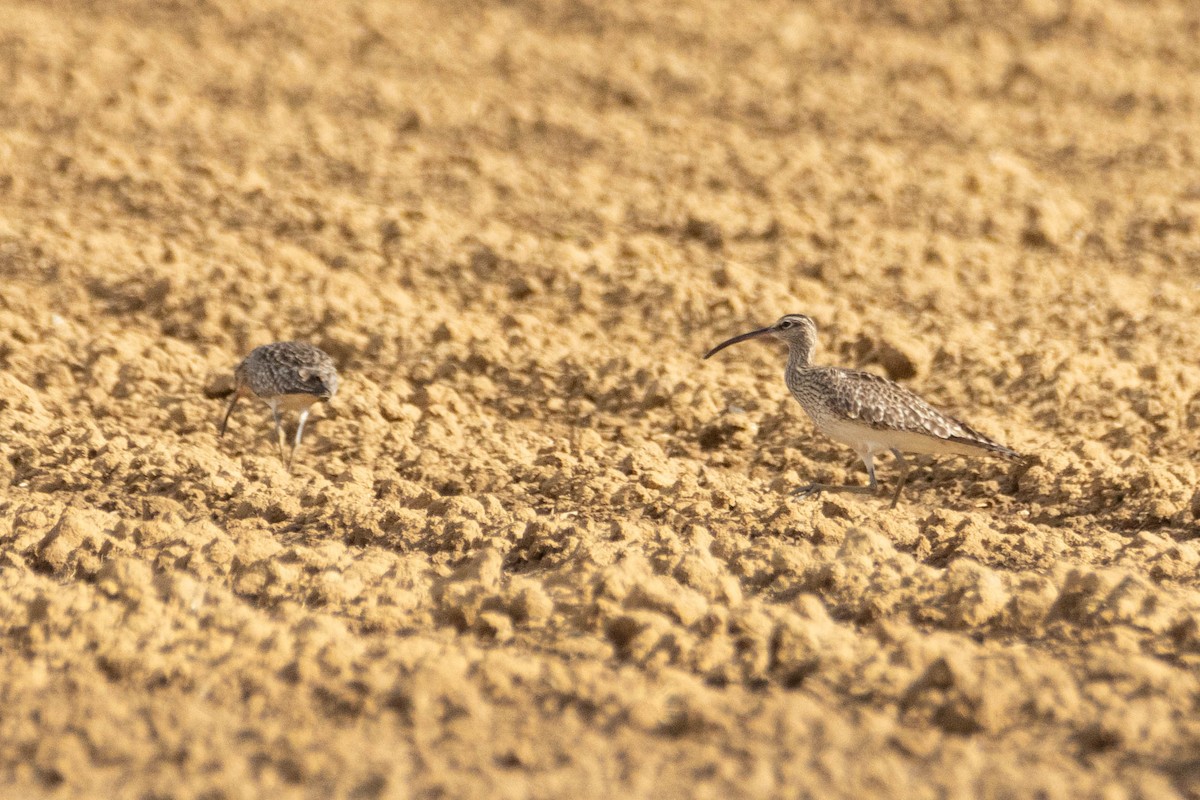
[878, 402]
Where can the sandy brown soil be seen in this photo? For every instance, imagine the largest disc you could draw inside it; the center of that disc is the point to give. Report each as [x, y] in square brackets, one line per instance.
[536, 547]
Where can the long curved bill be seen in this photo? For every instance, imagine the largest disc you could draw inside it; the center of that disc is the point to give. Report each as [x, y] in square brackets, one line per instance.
[736, 339]
[237, 395]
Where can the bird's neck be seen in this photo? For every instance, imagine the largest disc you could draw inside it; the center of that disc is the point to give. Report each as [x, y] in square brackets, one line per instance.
[800, 355]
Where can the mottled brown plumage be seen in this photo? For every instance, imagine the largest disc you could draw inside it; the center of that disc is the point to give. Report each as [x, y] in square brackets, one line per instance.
[879, 403]
[868, 412]
[286, 376]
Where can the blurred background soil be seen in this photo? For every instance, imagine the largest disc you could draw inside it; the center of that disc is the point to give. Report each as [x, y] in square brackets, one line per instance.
[536, 547]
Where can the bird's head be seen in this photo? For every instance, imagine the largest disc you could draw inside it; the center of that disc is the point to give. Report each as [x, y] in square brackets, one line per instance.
[797, 330]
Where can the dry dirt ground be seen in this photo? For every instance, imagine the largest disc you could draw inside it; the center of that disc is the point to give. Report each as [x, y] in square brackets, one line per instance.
[536, 547]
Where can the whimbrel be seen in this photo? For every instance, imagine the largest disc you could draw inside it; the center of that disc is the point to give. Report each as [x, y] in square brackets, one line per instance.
[288, 376]
[868, 412]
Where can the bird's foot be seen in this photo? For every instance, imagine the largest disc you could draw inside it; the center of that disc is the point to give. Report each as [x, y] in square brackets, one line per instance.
[810, 490]
[814, 489]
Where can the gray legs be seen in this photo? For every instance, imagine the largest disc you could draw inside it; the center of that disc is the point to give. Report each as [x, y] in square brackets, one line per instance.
[299, 433]
[871, 487]
[280, 434]
[904, 470]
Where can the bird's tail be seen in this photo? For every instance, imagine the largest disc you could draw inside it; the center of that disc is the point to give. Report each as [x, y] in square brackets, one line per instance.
[987, 444]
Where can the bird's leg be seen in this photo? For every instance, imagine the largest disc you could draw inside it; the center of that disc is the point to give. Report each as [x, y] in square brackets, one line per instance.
[299, 433]
[237, 395]
[817, 488]
[905, 467]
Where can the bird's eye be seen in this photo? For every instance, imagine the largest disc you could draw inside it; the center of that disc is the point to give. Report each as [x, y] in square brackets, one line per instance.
[787, 323]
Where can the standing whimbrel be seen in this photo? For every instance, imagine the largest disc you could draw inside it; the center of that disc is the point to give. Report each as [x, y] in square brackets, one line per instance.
[867, 412]
[288, 376]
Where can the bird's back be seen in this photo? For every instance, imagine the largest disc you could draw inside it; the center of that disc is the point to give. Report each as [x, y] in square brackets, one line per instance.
[843, 400]
[289, 368]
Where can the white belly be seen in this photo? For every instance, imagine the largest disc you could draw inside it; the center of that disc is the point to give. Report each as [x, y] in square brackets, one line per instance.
[867, 440]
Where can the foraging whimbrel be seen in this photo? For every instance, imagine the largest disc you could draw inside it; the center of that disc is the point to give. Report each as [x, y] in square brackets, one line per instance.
[288, 376]
[865, 411]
